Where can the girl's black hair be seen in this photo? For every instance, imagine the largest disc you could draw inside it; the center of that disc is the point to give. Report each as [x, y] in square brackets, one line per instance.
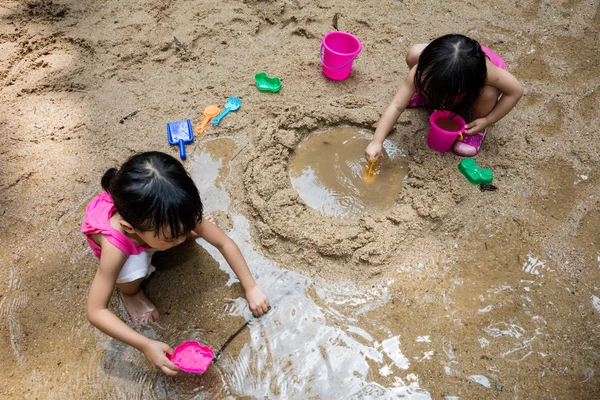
[152, 191]
[451, 73]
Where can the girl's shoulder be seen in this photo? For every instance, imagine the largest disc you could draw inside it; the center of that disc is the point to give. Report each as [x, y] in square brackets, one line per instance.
[100, 221]
[494, 73]
[502, 80]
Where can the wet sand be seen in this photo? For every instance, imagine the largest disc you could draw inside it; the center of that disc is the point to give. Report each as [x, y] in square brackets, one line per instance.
[494, 288]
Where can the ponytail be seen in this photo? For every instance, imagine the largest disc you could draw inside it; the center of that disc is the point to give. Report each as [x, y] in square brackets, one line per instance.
[108, 178]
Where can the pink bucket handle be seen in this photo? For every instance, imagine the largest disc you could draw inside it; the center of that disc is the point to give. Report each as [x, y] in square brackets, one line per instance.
[333, 69]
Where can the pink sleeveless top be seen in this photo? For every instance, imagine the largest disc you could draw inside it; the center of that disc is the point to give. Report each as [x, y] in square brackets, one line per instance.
[97, 220]
[494, 58]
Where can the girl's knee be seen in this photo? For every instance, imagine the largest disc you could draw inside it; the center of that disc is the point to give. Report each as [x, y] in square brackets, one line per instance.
[488, 97]
[130, 288]
[488, 94]
[412, 55]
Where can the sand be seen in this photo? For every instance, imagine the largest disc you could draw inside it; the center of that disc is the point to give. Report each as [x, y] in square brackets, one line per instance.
[70, 71]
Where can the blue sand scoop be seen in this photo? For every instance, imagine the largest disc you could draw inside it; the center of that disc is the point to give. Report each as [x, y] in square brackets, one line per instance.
[180, 132]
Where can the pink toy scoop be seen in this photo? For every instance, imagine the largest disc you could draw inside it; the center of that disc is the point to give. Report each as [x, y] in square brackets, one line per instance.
[190, 356]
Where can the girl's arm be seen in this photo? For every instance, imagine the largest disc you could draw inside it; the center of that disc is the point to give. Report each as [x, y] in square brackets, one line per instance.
[512, 91]
[258, 302]
[391, 115]
[111, 261]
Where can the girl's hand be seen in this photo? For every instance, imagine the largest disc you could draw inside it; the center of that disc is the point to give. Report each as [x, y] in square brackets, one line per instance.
[156, 352]
[476, 126]
[258, 302]
[373, 151]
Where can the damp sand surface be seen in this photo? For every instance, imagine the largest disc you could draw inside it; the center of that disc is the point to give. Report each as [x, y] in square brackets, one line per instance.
[331, 175]
[451, 293]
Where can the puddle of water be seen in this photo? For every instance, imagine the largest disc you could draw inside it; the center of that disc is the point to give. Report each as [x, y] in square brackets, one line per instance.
[330, 173]
[304, 348]
[210, 171]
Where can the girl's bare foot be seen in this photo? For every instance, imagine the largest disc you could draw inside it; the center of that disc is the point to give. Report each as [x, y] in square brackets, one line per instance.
[210, 218]
[140, 309]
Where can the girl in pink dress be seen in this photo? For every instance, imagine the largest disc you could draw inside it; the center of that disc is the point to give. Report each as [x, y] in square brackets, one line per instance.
[454, 73]
[150, 204]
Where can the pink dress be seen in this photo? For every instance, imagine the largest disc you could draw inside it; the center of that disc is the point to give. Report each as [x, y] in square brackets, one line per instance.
[97, 220]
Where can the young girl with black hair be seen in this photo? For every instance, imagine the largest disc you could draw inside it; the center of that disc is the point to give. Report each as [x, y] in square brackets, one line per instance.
[150, 204]
[453, 73]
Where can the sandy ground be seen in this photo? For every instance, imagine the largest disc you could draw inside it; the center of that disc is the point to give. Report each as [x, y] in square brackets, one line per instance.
[71, 70]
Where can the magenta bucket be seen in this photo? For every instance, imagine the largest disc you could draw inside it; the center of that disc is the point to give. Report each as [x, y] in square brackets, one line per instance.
[338, 51]
[446, 128]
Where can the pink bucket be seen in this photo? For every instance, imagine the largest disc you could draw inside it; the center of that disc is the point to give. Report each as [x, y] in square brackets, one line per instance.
[338, 51]
[445, 129]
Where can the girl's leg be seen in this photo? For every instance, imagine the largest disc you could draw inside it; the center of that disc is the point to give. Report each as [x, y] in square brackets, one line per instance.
[412, 55]
[486, 102]
[140, 309]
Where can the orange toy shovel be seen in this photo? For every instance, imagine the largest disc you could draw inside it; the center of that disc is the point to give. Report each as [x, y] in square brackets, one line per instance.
[209, 113]
[368, 173]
